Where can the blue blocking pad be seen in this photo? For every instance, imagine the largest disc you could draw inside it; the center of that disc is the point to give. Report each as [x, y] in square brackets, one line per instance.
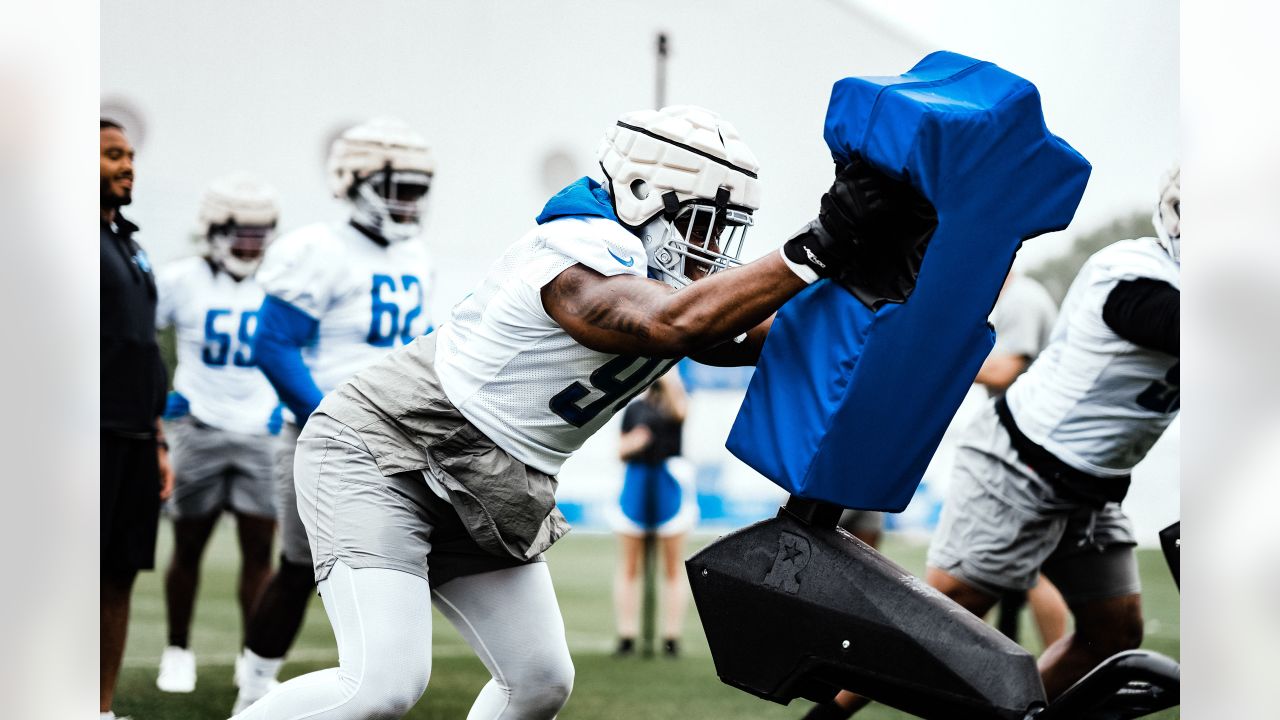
[848, 405]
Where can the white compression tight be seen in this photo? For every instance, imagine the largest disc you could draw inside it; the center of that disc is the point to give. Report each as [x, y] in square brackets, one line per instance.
[382, 622]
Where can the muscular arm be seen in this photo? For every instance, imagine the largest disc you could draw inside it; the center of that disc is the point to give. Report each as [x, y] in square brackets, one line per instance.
[737, 354]
[628, 315]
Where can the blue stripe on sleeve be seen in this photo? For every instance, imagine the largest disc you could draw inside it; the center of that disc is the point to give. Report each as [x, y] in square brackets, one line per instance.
[283, 330]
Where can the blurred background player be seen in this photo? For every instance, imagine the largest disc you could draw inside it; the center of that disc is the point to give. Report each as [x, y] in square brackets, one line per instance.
[338, 297]
[658, 497]
[134, 469]
[222, 413]
[429, 477]
[1041, 472]
[1023, 319]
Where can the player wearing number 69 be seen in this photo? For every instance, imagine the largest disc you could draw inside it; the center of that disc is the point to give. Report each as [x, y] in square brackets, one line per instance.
[222, 412]
[338, 297]
[1040, 474]
[430, 476]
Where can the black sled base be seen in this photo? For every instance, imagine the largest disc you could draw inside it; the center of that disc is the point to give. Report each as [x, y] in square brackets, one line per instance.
[798, 610]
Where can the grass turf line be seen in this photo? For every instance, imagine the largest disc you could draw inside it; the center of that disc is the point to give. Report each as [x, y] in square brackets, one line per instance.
[605, 687]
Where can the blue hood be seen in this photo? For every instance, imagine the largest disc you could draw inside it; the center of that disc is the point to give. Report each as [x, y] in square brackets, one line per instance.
[583, 198]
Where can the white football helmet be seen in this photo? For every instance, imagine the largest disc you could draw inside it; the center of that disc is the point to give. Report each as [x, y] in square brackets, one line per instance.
[384, 168]
[682, 179]
[237, 218]
[1168, 215]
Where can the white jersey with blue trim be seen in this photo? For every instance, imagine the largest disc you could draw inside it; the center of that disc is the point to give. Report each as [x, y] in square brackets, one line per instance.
[1094, 399]
[368, 298]
[214, 318]
[514, 373]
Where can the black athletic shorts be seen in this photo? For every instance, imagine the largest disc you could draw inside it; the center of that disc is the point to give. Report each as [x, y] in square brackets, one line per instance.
[130, 503]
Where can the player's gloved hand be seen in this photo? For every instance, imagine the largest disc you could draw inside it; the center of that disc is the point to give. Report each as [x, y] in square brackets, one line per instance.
[870, 235]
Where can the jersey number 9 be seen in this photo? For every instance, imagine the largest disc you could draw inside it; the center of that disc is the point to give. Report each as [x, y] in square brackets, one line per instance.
[612, 379]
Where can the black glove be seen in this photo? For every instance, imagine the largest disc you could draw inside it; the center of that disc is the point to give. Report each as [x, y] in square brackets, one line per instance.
[870, 235]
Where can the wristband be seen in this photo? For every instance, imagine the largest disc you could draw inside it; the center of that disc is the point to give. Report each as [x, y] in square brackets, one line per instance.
[805, 273]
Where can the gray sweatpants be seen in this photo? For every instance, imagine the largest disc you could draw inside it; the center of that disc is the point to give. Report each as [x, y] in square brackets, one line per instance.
[373, 539]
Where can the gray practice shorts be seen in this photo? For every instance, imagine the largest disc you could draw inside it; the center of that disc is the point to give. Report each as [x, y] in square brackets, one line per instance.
[293, 536]
[1002, 525]
[353, 513]
[216, 469]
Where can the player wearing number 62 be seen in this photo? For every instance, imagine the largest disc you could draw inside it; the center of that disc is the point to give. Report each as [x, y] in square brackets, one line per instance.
[222, 413]
[430, 475]
[338, 297]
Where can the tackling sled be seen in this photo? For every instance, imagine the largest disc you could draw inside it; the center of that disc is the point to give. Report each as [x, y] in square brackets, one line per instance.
[795, 607]
[848, 403]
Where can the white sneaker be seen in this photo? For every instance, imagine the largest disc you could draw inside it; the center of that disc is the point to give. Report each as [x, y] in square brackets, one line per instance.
[177, 670]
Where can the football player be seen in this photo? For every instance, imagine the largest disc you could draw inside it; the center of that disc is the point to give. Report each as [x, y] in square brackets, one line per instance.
[430, 476]
[222, 412]
[1040, 474]
[338, 297]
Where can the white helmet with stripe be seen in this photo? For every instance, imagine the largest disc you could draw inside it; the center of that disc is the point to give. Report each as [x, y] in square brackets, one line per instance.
[685, 182]
[237, 218]
[384, 168]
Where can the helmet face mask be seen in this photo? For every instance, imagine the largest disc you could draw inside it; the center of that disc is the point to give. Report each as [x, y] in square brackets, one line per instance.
[238, 249]
[698, 240]
[384, 168]
[391, 202]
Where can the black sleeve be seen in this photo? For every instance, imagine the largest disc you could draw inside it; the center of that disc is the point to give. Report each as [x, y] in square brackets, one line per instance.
[1145, 312]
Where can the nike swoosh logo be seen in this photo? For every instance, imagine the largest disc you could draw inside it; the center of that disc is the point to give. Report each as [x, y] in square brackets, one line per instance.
[625, 263]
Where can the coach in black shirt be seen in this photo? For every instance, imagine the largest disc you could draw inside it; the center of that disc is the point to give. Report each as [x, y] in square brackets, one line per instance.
[134, 466]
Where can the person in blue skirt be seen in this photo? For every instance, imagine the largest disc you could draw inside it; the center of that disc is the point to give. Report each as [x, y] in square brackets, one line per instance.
[657, 497]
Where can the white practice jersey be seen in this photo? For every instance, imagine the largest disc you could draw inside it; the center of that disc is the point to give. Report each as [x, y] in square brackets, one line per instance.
[515, 373]
[368, 298]
[215, 318]
[1095, 400]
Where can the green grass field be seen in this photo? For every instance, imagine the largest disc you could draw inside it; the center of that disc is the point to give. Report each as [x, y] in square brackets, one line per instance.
[605, 687]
